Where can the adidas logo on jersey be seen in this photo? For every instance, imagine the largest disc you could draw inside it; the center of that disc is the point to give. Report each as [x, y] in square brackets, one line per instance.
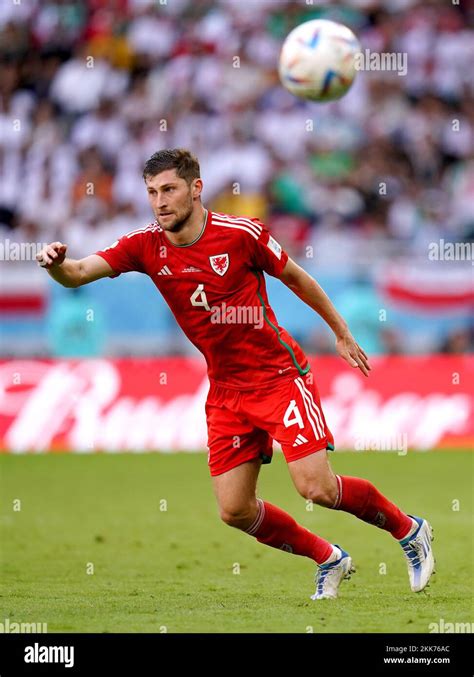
[165, 271]
[301, 439]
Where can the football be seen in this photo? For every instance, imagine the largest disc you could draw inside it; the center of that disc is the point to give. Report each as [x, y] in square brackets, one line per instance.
[318, 60]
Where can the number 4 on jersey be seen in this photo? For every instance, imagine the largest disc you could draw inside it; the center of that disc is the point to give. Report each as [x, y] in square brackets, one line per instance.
[199, 298]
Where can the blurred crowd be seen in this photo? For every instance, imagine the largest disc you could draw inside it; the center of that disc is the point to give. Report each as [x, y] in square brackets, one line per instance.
[90, 89]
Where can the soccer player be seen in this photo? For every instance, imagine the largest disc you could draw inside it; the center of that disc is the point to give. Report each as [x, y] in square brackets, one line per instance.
[209, 268]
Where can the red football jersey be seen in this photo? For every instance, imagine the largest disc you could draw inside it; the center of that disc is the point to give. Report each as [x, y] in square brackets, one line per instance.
[216, 289]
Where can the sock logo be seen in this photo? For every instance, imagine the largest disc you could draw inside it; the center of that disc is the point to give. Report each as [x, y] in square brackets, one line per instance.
[379, 520]
[286, 547]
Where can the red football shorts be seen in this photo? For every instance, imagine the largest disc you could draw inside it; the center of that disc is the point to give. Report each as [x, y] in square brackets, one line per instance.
[242, 424]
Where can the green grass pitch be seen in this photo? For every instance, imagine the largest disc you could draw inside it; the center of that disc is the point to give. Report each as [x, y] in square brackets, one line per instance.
[93, 548]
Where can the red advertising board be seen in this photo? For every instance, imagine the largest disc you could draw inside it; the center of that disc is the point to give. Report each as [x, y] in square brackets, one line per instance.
[158, 404]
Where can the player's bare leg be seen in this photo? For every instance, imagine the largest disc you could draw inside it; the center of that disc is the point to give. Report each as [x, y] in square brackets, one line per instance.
[315, 480]
[235, 492]
[239, 507]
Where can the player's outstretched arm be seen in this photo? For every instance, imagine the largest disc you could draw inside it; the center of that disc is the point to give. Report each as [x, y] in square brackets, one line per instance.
[309, 291]
[71, 272]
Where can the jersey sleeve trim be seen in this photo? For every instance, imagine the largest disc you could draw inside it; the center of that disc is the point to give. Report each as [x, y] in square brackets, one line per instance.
[103, 254]
[241, 223]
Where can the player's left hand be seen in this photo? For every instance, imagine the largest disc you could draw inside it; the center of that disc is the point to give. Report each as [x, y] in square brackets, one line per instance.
[351, 351]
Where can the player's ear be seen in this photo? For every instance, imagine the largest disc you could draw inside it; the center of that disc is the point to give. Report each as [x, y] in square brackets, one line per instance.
[196, 188]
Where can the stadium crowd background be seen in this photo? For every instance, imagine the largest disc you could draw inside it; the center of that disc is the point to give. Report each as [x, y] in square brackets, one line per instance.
[98, 86]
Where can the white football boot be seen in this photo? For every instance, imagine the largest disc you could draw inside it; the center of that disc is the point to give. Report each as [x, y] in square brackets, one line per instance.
[419, 554]
[329, 576]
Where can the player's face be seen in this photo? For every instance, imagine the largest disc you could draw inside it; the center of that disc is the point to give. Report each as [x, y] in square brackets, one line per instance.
[171, 199]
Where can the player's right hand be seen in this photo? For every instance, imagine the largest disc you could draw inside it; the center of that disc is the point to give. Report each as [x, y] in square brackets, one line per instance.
[52, 255]
[351, 351]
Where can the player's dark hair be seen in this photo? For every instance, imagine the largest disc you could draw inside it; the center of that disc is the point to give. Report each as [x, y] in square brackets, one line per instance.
[185, 163]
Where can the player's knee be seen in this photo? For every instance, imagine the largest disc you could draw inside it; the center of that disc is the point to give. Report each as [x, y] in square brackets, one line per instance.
[321, 494]
[239, 517]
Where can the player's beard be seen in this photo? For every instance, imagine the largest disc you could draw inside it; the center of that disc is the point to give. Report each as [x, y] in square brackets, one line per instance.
[181, 217]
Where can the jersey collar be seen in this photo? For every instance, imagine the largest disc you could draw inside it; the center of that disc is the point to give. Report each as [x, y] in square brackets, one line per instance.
[189, 244]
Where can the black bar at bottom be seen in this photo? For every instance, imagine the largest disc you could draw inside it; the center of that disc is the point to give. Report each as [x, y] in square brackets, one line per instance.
[305, 654]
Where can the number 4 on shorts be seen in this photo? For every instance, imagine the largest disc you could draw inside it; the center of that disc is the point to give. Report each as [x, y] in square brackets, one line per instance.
[292, 409]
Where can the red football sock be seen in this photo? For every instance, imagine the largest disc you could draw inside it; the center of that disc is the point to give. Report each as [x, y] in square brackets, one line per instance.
[362, 499]
[277, 528]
